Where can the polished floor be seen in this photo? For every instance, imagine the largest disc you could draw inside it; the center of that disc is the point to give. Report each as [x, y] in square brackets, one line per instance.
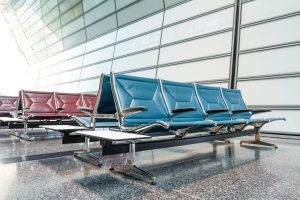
[46, 169]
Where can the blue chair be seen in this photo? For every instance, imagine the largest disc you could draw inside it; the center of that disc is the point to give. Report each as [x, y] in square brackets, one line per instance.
[183, 106]
[214, 107]
[103, 113]
[140, 105]
[239, 110]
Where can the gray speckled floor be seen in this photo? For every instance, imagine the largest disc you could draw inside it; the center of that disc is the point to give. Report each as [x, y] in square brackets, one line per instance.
[202, 171]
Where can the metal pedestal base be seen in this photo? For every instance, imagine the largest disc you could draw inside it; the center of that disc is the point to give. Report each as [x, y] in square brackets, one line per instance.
[257, 141]
[119, 163]
[135, 172]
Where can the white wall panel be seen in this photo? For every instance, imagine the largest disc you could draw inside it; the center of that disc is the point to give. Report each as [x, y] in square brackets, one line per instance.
[271, 92]
[203, 25]
[99, 55]
[89, 85]
[196, 71]
[284, 60]
[71, 64]
[144, 42]
[208, 46]
[69, 87]
[101, 41]
[140, 27]
[290, 125]
[276, 32]
[223, 85]
[78, 50]
[150, 73]
[69, 76]
[193, 8]
[95, 70]
[146, 59]
[263, 9]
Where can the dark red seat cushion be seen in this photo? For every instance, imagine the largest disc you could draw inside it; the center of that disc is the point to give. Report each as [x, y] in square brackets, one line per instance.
[39, 104]
[89, 100]
[7, 103]
[69, 104]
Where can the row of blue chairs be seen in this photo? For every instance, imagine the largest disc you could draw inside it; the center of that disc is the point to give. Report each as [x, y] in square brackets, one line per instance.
[147, 103]
[136, 104]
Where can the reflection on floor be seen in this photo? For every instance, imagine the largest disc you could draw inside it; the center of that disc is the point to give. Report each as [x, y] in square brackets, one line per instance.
[203, 171]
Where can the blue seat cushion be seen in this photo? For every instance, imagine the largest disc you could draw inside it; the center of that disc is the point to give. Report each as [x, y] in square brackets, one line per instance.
[179, 96]
[140, 92]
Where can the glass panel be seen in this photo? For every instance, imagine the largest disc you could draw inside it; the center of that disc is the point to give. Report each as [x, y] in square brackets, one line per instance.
[193, 8]
[263, 9]
[101, 27]
[51, 15]
[66, 4]
[277, 61]
[139, 10]
[214, 69]
[48, 6]
[99, 12]
[262, 35]
[88, 4]
[202, 47]
[169, 3]
[123, 3]
[72, 27]
[71, 14]
[74, 39]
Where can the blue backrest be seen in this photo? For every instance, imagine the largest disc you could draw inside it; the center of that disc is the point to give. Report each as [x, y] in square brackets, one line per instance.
[104, 102]
[181, 95]
[131, 91]
[211, 98]
[234, 101]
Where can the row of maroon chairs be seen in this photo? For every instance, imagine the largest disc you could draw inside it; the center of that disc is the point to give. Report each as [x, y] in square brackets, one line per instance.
[34, 108]
[36, 104]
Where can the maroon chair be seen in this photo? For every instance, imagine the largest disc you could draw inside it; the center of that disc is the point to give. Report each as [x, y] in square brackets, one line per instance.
[36, 104]
[89, 100]
[8, 105]
[68, 103]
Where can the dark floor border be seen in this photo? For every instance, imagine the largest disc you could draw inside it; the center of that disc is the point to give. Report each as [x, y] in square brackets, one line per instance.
[40, 156]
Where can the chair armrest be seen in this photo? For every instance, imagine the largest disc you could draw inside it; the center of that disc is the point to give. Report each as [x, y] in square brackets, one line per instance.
[258, 111]
[86, 110]
[133, 110]
[242, 110]
[181, 110]
[216, 110]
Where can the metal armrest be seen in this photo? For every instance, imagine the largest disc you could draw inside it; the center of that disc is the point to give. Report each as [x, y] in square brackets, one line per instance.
[242, 110]
[216, 110]
[81, 122]
[258, 111]
[86, 110]
[133, 110]
[181, 110]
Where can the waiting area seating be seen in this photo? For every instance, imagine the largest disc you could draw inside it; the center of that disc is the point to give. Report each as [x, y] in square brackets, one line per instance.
[170, 113]
[36, 108]
[7, 105]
